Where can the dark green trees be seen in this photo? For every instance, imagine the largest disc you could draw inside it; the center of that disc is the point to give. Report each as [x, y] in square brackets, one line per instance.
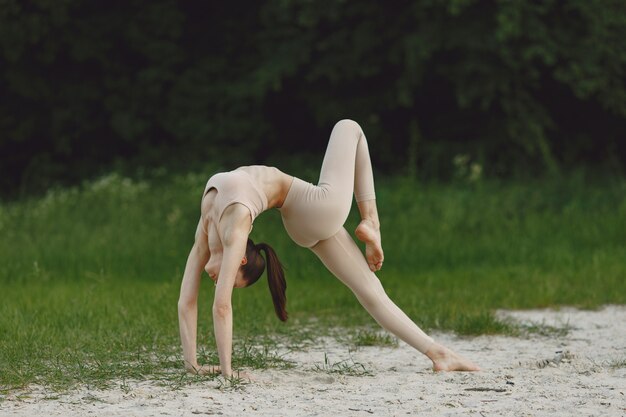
[514, 85]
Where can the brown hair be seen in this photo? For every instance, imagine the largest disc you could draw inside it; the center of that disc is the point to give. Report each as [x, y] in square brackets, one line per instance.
[254, 268]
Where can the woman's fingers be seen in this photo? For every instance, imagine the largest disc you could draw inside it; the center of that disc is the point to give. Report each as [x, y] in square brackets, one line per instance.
[204, 370]
[244, 375]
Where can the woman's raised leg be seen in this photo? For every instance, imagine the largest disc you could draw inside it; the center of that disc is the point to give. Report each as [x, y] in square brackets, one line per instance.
[347, 169]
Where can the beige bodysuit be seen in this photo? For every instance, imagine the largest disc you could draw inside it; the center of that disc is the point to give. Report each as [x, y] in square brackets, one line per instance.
[236, 187]
[313, 216]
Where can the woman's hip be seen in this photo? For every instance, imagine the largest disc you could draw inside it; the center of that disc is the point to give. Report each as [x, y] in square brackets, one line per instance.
[311, 213]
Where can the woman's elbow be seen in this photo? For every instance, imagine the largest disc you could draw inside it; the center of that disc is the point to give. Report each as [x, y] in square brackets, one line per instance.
[186, 305]
[221, 310]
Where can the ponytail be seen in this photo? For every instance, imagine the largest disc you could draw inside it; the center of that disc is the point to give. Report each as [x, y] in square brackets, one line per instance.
[275, 279]
[254, 268]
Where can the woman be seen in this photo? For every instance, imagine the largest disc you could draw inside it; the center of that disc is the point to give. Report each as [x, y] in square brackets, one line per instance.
[313, 217]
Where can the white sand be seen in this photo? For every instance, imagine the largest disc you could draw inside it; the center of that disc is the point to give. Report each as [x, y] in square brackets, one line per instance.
[520, 377]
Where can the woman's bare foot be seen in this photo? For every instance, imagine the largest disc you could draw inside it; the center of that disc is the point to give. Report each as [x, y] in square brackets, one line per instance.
[369, 233]
[446, 360]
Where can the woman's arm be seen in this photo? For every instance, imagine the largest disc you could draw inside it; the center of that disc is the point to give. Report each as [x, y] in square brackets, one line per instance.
[234, 242]
[188, 299]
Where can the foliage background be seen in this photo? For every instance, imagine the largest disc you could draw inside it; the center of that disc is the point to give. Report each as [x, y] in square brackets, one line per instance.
[521, 88]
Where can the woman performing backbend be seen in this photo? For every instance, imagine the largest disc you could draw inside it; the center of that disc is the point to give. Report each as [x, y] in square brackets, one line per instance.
[313, 216]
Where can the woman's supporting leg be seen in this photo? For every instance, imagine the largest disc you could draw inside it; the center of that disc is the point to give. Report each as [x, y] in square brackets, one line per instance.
[342, 257]
[347, 169]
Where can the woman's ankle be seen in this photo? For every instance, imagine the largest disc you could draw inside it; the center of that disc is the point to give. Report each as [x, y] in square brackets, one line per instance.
[436, 352]
[369, 211]
[372, 222]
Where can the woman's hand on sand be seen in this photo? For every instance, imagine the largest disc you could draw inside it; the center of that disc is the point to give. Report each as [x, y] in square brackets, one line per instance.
[203, 369]
[244, 375]
[215, 369]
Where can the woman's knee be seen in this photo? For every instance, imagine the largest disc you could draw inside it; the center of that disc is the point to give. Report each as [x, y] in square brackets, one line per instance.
[348, 124]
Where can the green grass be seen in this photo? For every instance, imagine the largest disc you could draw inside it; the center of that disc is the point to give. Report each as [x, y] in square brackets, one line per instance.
[618, 363]
[369, 337]
[343, 367]
[90, 275]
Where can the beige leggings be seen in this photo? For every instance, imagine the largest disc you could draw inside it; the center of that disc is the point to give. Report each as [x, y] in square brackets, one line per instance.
[314, 218]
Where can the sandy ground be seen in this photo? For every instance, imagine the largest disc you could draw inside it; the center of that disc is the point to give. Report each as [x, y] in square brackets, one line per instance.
[580, 374]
